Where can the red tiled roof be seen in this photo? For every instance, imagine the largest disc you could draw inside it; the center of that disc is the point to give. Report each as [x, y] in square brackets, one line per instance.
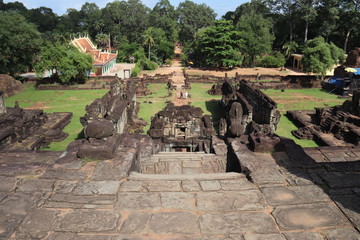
[100, 58]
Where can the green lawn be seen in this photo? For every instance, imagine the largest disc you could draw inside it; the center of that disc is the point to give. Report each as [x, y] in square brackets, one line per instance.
[300, 99]
[58, 101]
[158, 102]
[200, 98]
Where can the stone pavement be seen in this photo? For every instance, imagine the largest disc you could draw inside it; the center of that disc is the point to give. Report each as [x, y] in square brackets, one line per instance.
[64, 201]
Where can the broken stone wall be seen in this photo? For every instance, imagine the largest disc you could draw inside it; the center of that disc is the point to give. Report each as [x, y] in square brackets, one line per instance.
[118, 107]
[264, 108]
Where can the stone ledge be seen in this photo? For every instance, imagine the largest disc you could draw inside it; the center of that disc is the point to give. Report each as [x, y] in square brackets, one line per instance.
[179, 177]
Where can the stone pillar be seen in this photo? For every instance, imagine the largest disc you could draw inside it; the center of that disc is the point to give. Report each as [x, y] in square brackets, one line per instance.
[2, 103]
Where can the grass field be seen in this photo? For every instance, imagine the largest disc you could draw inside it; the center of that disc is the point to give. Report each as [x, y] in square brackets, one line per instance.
[152, 104]
[300, 99]
[58, 101]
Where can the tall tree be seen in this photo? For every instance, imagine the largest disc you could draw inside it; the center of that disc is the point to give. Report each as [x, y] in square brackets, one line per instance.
[162, 48]
[328, 17]
[287, 8]
[193, 17]
[350, 17]
[43, 18]
[91, 18]
[164, 16]
[217, 46]
[255, 33]
[309, 13]
[126, 18]
[19, 42]
[148, 41]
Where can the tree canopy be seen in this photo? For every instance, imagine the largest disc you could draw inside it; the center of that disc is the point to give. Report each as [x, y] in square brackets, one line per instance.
[19, 42]
[67, 61]
[319, 56]
[217, 46]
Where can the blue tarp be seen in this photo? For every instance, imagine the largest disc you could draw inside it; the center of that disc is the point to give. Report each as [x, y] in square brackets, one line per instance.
[358, 71]
[337, 81]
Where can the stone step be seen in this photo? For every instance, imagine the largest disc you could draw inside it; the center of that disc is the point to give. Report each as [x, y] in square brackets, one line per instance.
[136, 176]
[182, 153]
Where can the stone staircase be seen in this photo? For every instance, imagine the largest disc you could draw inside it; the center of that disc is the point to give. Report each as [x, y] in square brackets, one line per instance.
[178, 163]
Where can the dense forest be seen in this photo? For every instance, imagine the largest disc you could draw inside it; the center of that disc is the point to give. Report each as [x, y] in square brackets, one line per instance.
[260, 32]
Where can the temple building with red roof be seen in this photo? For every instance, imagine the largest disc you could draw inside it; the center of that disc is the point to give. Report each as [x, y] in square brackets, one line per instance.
[104, 59]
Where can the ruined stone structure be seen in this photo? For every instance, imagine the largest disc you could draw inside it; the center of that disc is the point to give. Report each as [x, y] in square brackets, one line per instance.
[118, 107]
[22, 129]
[249, 112]
[142, 89]
[335, 126]
[248, 109]
[182, 128]
[9, 86]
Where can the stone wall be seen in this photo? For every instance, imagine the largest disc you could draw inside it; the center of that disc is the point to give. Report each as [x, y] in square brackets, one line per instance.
[264, 108]
[117, 108]
[249, 112]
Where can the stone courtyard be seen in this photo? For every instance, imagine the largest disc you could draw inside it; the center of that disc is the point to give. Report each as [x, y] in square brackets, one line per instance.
[318, 198]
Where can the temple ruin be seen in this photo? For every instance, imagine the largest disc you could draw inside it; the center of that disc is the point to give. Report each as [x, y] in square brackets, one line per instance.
[182, 129]
[332, 126]
[22, 129]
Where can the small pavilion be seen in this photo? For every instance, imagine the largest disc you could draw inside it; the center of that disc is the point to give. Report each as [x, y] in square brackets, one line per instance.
[104, 59]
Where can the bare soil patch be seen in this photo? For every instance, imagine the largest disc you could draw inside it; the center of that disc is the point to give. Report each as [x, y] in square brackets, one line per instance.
[37, 106]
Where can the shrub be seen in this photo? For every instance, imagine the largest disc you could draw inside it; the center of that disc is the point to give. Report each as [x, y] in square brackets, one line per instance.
[150, 65]
[168, 62]
[137, 69]
[275, 60]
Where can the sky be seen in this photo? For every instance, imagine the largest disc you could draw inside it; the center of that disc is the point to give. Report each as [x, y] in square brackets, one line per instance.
[60, 6]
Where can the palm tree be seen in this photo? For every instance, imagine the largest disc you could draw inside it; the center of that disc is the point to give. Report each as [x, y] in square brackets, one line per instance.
[148, 42]
[290, 48]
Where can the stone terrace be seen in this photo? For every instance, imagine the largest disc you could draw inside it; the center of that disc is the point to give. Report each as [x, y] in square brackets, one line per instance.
[284, 201]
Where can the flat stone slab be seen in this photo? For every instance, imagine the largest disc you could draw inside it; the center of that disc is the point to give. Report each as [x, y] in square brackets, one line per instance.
[87, 221]
[341, 233]
[230, 201]
[350, 205]
[197, 177]
[306, 217]
[238, 223]
[163, 186]
[136, 223]
[97, 188]
[73, 201]
[278, 196]
[138, 201]
[303, 236]
[36, 185]
[37, 224]
[113, 170]
[131, 186]
[64, 175]
[178, 200]
[264, 237]
[7, 184]
[14, 209]
[341, 180]
[174, 223]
